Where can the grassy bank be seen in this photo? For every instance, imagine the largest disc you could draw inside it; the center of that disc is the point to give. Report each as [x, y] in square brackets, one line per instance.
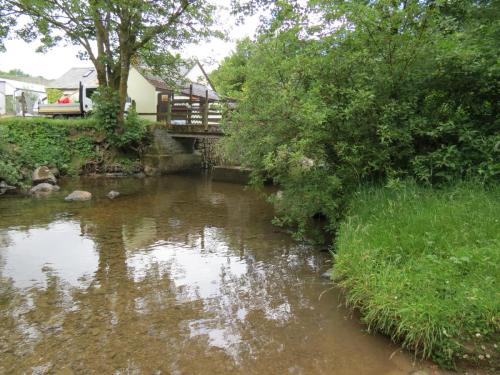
[74, 146]
[423, 266]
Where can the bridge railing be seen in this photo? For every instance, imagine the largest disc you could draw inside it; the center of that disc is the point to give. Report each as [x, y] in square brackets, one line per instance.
[186, 112]
[191, 111]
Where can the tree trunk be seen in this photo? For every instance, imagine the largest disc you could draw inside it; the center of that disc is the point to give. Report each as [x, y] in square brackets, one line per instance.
[122, 92]
[101, 74]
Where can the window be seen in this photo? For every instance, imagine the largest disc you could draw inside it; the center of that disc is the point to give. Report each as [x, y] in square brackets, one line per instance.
[88, 73]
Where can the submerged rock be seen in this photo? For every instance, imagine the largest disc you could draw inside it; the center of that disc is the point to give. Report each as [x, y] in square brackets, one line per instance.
[43, 174]
[44, 187]
[79, 195]
[328, 274]
[4, 187]
[113, 194]
[116, 174]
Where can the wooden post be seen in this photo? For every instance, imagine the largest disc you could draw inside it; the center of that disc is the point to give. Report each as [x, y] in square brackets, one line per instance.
[169, 110]
[205, 111]
[190, 103]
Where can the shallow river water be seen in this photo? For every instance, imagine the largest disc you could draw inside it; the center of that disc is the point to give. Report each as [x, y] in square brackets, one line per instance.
[179, 275]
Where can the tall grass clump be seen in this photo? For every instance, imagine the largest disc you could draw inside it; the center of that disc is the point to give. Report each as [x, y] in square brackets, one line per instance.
[423, 266]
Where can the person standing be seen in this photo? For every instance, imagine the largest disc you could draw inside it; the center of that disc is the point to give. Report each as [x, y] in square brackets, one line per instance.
[24, 105]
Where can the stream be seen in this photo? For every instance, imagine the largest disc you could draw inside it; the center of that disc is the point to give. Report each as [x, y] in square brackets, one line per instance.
[178, 275]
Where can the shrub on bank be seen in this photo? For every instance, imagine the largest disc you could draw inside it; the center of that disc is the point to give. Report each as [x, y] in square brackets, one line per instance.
[423, 266]
[26, 143]
[68, 144]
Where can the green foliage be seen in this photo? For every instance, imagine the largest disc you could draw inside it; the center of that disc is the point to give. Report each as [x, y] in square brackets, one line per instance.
[106, 108]
[8, 170]
[26, 143]
[53, 95]
[18, 74]
[423, 266]
[73, 146]
[14, 73]
[379, 91]
[135, 134]
[229, 78]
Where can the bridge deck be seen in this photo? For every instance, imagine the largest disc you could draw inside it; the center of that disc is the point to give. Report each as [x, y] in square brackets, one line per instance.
[194, 131]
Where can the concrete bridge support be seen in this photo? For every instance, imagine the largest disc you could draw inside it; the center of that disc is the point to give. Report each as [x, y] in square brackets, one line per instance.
[169, 154]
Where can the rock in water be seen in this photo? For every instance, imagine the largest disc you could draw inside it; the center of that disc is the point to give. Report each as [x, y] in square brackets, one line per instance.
[43, 174]
[328, 274]
[113, 194]
[44, 187]
[4, 187]
[79, 195]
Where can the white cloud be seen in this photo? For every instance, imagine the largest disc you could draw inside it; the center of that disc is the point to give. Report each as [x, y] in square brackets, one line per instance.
[21, 55]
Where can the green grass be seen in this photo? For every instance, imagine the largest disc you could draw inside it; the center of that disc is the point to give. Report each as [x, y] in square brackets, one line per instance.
[423, 266]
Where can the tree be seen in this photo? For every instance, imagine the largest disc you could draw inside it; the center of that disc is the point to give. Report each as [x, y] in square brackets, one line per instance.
[373, 91]
[229, 78]
[113, 34]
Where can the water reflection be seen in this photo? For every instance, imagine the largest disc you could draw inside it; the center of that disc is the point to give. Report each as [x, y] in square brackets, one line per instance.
[59, 249]
[177, 276]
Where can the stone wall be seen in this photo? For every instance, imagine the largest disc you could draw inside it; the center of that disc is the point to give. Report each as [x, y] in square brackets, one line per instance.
[169, 155]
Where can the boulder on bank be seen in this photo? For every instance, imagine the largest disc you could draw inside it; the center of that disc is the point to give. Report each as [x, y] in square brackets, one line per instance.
[43, 174]
[44, 187]
[4, 187]
[55, 171]
[113, 194]
[79, 195]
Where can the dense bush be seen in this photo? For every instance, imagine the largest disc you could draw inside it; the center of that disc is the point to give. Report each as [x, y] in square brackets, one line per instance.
[134, 132]
[26, 143]
[69, 145]
[423, 266]
[382, 90]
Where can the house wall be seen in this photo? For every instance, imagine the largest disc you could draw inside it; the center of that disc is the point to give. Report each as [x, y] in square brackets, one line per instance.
[11, 90]
[144, 94]
[2, 97]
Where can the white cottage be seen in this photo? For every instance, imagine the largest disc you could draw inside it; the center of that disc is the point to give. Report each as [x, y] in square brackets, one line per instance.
[144, 88]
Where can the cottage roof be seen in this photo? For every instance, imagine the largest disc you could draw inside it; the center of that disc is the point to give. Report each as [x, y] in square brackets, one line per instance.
[72, 78]
[155, 80]
[88, 76]
[200, 91]
[198, 88]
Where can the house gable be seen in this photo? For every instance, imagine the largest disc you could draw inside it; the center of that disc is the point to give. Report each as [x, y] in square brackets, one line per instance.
[143, 93]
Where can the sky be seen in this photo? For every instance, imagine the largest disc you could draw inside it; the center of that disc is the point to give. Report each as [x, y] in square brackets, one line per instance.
[58, 60]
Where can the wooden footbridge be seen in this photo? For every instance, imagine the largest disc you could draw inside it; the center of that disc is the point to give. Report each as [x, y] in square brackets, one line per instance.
[192, 117]
[187, 130]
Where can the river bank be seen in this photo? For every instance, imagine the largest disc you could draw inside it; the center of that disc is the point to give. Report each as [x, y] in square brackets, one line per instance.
[423, 267]
[72, 147]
